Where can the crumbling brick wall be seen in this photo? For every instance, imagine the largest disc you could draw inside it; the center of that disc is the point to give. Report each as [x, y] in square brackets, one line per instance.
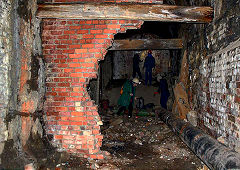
[72, 49]
[213, 56]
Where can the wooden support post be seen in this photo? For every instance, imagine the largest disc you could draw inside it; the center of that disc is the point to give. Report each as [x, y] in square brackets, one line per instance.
[144, 44]
[146, 12]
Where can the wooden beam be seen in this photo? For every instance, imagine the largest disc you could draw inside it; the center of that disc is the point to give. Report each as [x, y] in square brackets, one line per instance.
[144, 44]
[146, 12]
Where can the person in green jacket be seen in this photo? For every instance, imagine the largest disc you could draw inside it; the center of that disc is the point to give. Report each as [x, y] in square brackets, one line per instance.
[126, 99]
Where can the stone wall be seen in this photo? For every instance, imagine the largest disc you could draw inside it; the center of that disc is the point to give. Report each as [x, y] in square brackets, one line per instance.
[5, 55]
[213, 56]
[123, 63]
[21, 77]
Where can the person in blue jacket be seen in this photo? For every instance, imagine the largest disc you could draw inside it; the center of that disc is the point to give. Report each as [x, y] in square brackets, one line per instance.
[149, 64]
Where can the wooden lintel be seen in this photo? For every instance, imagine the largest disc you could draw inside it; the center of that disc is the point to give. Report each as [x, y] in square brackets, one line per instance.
[145, 12]
[145, 44]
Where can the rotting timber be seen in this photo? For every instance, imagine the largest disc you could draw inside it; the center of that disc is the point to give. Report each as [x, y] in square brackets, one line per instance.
[213, 153]
[144, 44]
[128, 11]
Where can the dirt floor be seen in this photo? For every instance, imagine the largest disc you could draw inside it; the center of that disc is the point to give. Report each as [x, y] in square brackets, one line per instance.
[144, 143]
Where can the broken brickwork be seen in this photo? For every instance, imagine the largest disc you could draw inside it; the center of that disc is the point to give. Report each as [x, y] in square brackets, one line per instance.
[72, 49]
[214, 57]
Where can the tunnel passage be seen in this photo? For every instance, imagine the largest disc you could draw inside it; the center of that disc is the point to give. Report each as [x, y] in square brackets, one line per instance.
[211, 50]
[142, 141]
[117, 66]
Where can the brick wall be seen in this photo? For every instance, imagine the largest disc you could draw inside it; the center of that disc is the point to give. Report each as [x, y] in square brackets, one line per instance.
[213, 56]
[220, 94]
[71, 50]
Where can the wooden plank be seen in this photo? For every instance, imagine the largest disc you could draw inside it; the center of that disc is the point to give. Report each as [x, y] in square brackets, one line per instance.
[145, 44]
[146, 12]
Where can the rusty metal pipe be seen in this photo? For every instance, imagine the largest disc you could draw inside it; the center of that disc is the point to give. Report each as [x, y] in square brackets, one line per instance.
[213, 153]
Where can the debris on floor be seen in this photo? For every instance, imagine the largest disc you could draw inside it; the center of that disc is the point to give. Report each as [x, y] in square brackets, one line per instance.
[142, 142]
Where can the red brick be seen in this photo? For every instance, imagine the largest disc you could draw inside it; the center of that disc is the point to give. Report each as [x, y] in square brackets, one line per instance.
[77, 119]
[88, 46]
[75, 55]
[96, 31]
[66, 41]
[64, 84]
[59, 89]
[95, 132]
[76, 74]
[82, 31]
[88, 64]
[75, 65]
[68, 51]
[114, 26]
[63, 123]
[69, 137]
[89, 22]
[75, 46]
[59, 98]
[58, 136]
[68, 70]
[100, 26]
[81, 51]
[76, 94]
[76, 123]
[110, 31]
[88, 36]
[98, 40]
[62, 46]
[74, 27]
[95, 50]
[87, 26]
[63, 37]
[101, 36]
[77, 113]
[100, 45]
[93, 156]
[69, 32]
